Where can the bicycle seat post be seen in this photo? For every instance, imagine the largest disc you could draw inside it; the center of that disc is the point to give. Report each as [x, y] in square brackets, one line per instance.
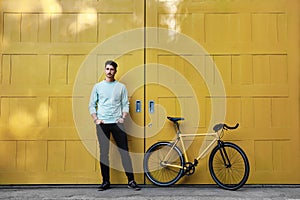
[176, 124]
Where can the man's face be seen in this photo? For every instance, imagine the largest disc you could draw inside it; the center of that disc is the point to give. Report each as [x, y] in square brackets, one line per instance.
[110, 71]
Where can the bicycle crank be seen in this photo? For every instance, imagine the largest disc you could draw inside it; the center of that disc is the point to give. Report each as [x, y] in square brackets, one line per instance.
[189, 169]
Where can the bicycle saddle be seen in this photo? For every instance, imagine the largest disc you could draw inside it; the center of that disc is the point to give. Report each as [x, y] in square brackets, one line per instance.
[175, 119]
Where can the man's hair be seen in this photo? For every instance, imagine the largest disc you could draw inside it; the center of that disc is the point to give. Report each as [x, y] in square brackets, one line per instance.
[112, 63]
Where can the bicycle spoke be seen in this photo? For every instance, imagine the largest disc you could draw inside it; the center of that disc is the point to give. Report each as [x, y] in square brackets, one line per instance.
[230, 173]
[157, 164]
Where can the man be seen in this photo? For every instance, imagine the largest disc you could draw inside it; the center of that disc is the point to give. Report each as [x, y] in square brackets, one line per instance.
[109, 107]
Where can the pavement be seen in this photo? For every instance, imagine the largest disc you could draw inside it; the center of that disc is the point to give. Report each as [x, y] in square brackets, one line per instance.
[120, 192]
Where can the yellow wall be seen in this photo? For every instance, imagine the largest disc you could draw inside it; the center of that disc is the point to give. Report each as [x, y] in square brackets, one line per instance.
[254, 44]
[43, 46]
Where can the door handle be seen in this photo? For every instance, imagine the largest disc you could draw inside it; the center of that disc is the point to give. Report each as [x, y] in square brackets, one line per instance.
[138, 106]
[151, 106]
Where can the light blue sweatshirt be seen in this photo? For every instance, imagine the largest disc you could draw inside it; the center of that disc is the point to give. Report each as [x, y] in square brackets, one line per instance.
[109, 100]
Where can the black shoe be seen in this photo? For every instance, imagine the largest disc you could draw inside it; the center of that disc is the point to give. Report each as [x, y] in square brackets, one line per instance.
[104, 186]
[133, 185]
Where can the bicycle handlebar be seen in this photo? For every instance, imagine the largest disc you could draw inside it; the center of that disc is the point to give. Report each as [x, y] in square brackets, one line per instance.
[218, 127]
[231, 127]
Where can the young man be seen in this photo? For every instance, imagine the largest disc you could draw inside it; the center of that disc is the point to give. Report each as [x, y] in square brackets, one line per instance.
[109, 107]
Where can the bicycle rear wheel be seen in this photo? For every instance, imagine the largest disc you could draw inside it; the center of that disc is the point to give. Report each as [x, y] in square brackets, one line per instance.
[229, 166]
[155, 160]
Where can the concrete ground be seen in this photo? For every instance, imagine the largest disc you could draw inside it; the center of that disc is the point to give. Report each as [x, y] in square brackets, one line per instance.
[120, 192]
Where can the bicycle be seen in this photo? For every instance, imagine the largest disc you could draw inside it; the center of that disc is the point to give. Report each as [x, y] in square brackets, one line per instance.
[165, 163]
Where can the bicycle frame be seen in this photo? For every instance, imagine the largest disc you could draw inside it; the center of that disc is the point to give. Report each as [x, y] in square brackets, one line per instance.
[180, 139]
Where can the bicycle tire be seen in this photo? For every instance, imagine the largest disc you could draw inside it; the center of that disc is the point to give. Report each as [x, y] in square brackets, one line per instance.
[163, 175]
[230, 177]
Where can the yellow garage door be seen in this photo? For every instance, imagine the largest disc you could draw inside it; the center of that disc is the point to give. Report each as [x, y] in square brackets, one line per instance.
[176, 57]
[252, 46]
[52, 53]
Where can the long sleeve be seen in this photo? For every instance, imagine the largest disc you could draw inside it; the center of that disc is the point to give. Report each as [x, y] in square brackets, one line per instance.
[125, 101]
[93, 101]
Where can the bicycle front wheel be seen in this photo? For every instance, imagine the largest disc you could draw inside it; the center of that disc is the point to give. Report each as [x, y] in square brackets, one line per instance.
[163, 164]
[229, 166]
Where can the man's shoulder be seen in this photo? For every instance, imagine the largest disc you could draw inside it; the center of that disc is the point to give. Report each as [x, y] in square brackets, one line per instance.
[119, 83]
[98, 83]
[116, 83]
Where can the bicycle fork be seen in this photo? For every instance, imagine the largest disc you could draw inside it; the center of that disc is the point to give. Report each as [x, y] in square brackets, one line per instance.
[224, 155]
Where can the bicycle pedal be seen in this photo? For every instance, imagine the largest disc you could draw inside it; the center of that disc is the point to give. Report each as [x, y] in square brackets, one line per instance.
[195, 162]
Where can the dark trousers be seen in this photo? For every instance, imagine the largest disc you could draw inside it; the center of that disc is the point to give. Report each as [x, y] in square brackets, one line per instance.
[117, 130]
